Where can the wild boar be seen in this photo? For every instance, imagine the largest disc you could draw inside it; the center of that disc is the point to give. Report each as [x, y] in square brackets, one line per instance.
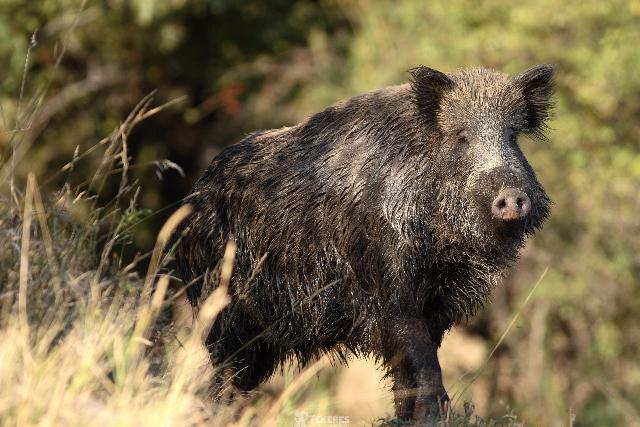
[372, 227]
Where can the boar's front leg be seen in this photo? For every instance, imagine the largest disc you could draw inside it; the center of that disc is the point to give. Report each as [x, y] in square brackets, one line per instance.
[411, 352]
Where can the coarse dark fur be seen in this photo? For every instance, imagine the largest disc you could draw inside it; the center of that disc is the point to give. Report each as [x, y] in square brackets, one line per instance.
[367, 228]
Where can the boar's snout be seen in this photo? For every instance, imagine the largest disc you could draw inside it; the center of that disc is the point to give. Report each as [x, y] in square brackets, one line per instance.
[511, 204]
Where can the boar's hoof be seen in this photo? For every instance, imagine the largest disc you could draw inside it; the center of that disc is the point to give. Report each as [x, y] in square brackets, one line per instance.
[432, 406]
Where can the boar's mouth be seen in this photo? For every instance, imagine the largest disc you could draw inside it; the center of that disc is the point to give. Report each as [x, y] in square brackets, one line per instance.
[510, 231]
[510, 213]
[511, 234]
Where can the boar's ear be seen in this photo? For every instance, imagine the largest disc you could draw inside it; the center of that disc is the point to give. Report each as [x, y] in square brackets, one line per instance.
[428, 86]
[536, 85]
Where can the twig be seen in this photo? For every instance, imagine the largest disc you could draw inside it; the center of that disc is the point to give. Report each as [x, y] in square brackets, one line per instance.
[163, 238]
[271, 416]
[515, 317]
[24, 251]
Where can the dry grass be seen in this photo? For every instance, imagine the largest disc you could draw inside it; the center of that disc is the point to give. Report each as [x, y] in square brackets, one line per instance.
[86, 341]
[77, 327]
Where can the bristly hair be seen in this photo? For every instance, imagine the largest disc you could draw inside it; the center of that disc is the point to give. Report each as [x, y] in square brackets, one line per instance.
[537, 85]
[428, 86]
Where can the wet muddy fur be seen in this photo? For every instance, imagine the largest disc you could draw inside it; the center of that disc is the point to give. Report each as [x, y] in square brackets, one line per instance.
[368, 228]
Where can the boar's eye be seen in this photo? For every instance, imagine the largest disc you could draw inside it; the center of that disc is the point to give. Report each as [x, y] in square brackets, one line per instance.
[462, 138]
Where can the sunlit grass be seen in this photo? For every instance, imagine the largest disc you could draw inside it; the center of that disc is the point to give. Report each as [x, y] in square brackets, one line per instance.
[86, 340]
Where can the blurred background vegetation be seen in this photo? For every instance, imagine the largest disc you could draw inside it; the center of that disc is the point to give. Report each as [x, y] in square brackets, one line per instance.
[71, 70]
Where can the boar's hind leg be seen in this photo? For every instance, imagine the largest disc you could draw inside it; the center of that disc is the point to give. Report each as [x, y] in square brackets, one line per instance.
[255, 366]
[412, 356]
[241, 361]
